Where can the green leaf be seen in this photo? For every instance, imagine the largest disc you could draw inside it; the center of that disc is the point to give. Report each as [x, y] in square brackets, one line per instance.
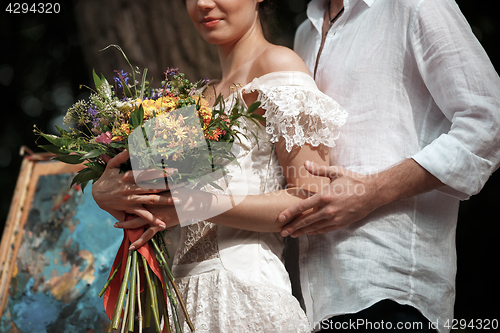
[126, 89]
[83, 185]
[97, 81]
[69, 159]
[118, 144]
[61, 131]
[56, 140]
[106, 88]
[89, 174]
[92, 154]
[95, 166]
[54, 149]
[137, 117]
[143, 85]
[216, 186]
[258, 117]
[84, 176]
[252, 108]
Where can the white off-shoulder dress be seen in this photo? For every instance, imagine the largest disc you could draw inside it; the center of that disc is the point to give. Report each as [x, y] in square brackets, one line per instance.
[234, 280]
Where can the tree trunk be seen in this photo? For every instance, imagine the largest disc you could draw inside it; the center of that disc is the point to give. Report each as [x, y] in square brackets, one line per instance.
[154, 34]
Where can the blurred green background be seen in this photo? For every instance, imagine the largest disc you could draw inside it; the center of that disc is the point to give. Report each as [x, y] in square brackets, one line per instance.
[42, 65]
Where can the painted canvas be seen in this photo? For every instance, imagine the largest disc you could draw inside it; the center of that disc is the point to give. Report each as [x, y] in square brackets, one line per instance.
[58, 259]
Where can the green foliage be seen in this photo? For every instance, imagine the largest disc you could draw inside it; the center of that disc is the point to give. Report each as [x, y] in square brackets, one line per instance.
[137, 117]
[102, 127]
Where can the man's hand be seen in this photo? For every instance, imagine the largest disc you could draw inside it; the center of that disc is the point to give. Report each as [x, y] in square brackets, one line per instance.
[348, 198]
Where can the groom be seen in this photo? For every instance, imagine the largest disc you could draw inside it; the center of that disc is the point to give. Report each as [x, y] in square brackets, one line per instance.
[423, 132]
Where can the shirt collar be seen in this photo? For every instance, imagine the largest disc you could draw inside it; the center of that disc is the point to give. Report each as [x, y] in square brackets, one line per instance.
[316, 10]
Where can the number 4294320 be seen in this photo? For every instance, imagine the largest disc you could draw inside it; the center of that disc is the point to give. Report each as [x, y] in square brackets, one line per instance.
[484, 324]
[34, 8]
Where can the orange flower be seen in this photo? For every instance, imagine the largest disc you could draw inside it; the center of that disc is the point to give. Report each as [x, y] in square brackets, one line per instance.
[176, 156]
[166, 104]
[214, 135]
[125, 128]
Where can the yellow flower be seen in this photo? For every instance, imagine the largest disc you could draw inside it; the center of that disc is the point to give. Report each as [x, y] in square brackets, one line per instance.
[165, 122]
[150, 104]
[165, 104]
[192, 143]
[202, 101]
[177, 156]
[206, 114]
[180, 133]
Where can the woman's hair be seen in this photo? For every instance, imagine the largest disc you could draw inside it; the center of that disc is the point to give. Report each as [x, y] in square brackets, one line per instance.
[268, 21]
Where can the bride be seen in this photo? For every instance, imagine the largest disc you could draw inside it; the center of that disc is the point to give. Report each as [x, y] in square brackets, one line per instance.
[229, 269]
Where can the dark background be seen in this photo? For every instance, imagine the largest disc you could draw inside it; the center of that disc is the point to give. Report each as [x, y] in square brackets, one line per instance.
[42, 65]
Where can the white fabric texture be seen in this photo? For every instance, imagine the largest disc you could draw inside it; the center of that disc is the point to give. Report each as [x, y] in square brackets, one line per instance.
[299, 114]
[416, 84]
[234, 280]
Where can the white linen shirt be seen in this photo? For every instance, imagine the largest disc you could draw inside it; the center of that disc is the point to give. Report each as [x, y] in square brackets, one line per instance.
[417, 84]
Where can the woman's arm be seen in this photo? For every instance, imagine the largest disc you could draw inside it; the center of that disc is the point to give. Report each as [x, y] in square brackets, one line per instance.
[260, 212]
[253, 212]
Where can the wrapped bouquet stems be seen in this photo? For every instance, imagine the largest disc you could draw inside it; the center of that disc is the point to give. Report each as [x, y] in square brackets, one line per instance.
[157, 284]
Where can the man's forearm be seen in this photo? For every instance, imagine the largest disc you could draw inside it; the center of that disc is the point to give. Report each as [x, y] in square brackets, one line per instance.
[404, 180]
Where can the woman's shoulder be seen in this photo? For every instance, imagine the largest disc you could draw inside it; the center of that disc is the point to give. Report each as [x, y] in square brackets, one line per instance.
[277, 58]
[279, 66]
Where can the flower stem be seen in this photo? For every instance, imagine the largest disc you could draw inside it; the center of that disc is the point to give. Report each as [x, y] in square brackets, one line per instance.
[161, 294]
[154, 304]
[121, 296]
[163, 263]
[139, 305]
[133, 286]
[148, 307]
[125, 314]
[110, 279]
[165, 312]
[156, 311]
[175, 313]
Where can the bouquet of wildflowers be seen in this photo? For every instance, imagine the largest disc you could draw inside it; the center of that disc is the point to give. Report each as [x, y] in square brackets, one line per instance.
[171, 129]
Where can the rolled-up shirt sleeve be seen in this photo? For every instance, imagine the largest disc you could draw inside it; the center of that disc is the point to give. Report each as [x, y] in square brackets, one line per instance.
[466, 89]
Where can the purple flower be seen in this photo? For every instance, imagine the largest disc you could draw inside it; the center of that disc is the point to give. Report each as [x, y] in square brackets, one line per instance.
[120, 78]
[92, 112]
[172, 71]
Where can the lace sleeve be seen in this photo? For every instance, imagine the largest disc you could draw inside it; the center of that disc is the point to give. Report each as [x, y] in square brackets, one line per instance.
[301, 115]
